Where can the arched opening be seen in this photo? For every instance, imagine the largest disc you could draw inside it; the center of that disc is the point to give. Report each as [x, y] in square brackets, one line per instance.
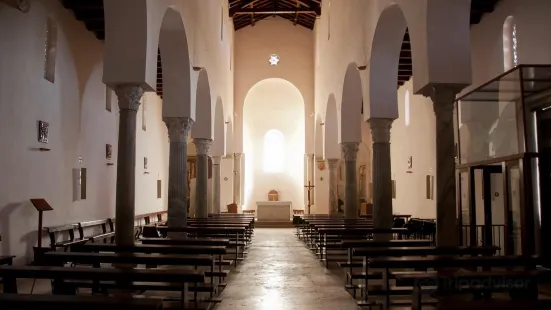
[510, 44]
[175, 74]
[331, 130]
[219, 143]
[202, 128]
[406, 108]
[385, 54]
[274, 142]
[274, 153]
[351, 104]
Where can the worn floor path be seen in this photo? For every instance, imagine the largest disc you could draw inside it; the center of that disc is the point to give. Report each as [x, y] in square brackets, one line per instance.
[280, 273]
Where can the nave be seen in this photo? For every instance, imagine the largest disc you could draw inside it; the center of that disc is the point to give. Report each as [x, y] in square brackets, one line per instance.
[280, 273]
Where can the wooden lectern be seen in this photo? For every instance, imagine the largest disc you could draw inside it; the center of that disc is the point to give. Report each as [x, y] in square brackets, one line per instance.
[40, 205]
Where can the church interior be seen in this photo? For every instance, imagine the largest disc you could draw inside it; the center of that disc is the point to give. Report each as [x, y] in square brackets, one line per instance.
[275, 154]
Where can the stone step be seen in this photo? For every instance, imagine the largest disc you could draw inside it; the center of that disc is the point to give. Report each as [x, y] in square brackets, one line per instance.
[273, 224]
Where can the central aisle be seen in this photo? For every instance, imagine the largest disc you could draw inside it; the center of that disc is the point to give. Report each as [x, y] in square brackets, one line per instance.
[280, 273]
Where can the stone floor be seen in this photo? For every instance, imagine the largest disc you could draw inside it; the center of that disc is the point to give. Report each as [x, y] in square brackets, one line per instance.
[280, 273]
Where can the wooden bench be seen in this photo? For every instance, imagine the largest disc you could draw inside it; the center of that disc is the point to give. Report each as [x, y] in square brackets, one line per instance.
[513, 282]
[67, 280]
[6, 260]
[496, 305]
[60, 302]
[439, 262]
[107, 233]
[67, 231]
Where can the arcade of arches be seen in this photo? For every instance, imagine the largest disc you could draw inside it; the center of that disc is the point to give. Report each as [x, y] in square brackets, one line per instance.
[364, 110]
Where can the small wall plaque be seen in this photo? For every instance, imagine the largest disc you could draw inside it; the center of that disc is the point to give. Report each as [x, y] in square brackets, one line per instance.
[43, 132]
[410, 162]
[159, 189]
[145, 163]
[393, 189]
[108, 151]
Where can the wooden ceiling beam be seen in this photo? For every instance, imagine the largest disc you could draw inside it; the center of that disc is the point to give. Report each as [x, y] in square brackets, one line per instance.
[266, 11]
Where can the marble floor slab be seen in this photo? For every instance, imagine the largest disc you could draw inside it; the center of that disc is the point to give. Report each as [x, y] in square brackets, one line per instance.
[280, 273]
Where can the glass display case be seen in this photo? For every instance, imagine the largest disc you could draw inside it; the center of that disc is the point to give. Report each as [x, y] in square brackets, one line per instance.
[499, 140]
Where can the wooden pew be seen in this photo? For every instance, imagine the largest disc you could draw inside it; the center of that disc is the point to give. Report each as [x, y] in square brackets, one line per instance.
[61, 302]
[213, 251]
[67, 280]
[107, 233]
[67, 231]
[528, 263]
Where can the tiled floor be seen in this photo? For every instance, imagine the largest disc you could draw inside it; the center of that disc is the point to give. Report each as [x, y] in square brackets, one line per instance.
[280, 273]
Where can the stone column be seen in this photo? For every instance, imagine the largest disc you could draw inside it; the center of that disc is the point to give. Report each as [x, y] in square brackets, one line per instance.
[333, 164]
[443, 98]
[201, 187]
[350, 151]
[216, 184]
[178, 130]
[129, 102]
[382, 182]
[237, 178]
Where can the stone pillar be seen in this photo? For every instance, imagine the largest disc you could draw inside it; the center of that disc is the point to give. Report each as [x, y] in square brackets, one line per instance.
[333, 164]
[382, 182]
[216, 184]
[350, 151]
[443, 98]
[178, 130]
[201, 186]
[129, 102]
[237, 178]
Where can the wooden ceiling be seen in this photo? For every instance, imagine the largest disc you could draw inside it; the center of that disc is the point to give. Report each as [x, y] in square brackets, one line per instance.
[248, 12]
[405, 67]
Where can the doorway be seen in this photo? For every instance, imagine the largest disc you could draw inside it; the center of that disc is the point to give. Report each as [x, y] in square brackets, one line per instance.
[543, 120]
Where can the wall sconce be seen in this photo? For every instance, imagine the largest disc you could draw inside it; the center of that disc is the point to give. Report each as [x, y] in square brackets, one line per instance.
[361, 68]
[197, 69]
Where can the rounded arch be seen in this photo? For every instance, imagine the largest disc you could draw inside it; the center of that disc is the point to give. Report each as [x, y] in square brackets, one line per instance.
[202, 128]
[351, 105]
[318, 139]
[219, 146]
[331, 132]
[176, 73]
[385, 56]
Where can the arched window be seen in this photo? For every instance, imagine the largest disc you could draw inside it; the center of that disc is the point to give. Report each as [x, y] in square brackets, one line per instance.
[274, 155]
[406, 108]
[510, 44]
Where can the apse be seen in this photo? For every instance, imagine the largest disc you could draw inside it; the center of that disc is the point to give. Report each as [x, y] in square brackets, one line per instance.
[274, 142]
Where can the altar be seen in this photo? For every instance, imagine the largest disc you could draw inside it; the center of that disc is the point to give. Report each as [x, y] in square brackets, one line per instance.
[274, 210]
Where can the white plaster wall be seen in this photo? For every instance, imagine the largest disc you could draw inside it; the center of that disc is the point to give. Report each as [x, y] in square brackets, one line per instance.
[295, 47]
[534, 42]
[419, 141]
[274, 104]
[79, 125]
[226, 188]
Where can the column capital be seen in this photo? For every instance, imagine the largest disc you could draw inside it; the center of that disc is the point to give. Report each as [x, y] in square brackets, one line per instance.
[349, 150]
[237, 155]
[129, 96]
[332, 163]
[202, 145]
[380, 129]
[178, 128]
[216, 160]
[443, 97]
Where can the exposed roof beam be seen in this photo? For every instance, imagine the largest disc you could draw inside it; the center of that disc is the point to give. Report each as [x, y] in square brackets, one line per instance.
[264, 11]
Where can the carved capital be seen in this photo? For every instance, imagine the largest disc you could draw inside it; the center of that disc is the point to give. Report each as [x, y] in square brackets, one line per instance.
[349, 150]
[237, 156]
[216, 160]
[332, 163]
[202, 146]
[22, 5]
[443, 98]
[129, 96]
[380, 129]
[178, 128]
